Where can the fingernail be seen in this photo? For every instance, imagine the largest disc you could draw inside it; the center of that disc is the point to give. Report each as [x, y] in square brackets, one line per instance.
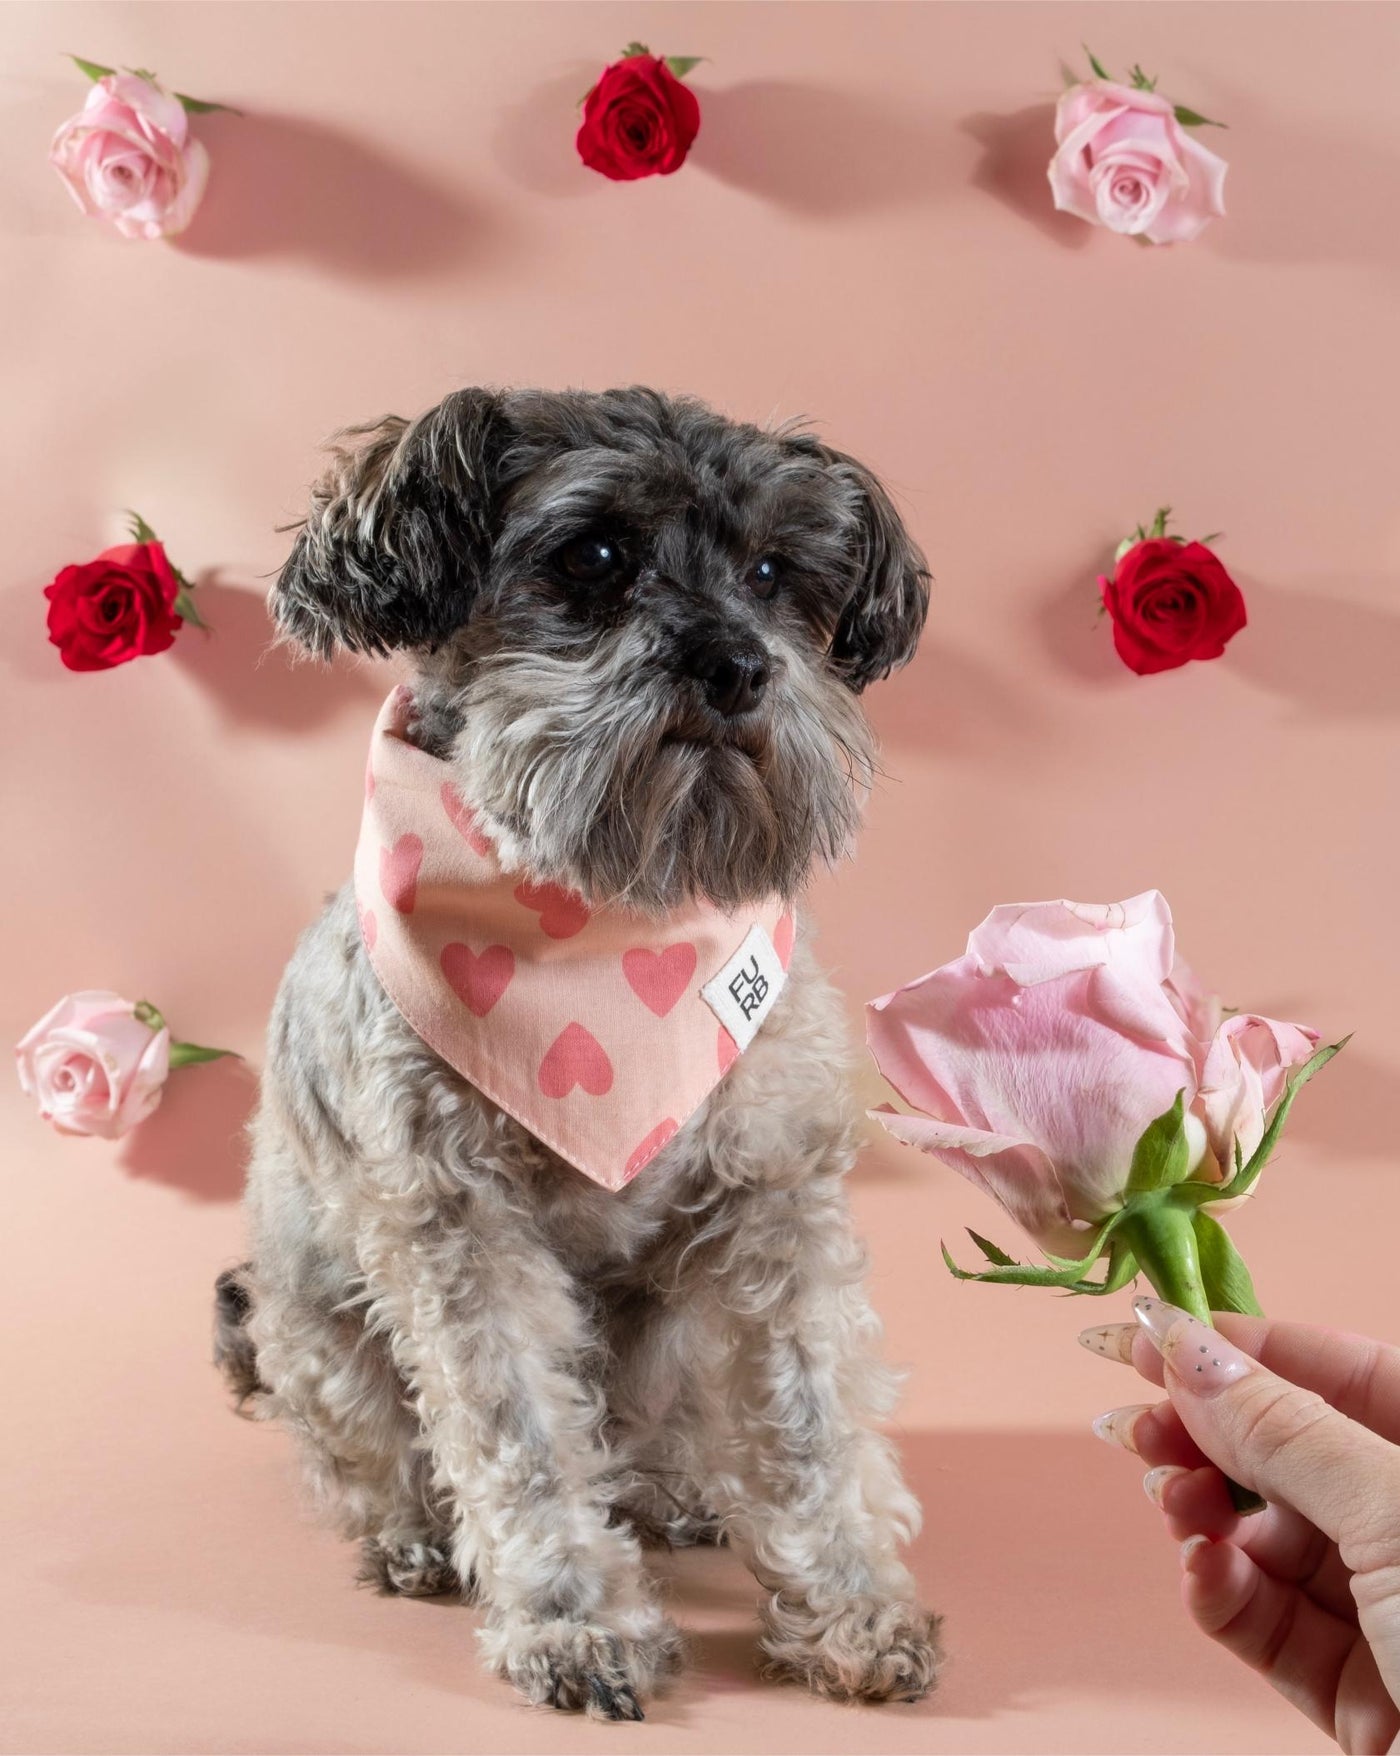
[1154, 1483]
[1198, 1355]
[1116, 1427]
[1111, 1341]
[1159, 1318]
[1192, 1547]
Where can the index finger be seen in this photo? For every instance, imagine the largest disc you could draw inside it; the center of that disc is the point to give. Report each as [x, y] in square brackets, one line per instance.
[1358, 1376]
[1285, 1441]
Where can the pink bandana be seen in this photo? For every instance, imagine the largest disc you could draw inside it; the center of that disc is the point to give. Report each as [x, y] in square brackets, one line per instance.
[600, 1031]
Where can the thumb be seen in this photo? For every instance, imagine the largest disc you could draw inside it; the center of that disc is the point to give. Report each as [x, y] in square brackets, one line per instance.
[1283, 1441]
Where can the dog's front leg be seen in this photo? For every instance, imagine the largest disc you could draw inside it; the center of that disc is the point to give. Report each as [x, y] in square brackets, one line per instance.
[815, 1494]
[487, 1332]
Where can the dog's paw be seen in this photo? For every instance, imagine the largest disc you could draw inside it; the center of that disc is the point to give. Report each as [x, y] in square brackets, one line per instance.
[582, 1667]
[407, 1568]
[862, 1649]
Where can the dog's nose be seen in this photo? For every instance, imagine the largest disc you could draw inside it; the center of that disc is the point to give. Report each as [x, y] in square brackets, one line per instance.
[734, 678]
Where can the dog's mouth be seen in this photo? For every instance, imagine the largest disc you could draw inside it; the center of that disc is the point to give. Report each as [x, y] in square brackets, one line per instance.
[743, 737]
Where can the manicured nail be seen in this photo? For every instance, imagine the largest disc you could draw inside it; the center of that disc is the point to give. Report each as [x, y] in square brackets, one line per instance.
[1159, 1318]
[1198, 1355]
[1154, 1483]
[1191, 1548]
[1116, 1427]
[1111, 1341]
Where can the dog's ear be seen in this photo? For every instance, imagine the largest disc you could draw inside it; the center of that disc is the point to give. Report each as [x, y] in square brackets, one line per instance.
[884, 616]
[398, 534]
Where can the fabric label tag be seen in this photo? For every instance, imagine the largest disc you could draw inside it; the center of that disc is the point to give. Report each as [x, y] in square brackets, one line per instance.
[743, 993]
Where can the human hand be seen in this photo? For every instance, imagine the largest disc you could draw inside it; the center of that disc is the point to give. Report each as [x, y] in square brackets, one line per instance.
[1306, 1592]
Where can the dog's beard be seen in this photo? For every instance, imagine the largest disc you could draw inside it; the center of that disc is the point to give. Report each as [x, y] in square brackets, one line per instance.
[603, 780]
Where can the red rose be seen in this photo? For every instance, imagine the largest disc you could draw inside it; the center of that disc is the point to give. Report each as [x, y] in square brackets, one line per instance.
[638, 121]
[1171, 602]
[120, 606]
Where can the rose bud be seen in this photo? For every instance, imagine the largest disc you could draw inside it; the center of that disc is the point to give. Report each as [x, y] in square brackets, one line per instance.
[128, 156]
[639, 120]
[1170, 602]
[1072, 1068]
[1126, 161]
[97, 1064]
[1039, 1059]
[128, 603]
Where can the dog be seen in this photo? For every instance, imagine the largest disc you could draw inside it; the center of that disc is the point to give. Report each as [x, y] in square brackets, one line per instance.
[639, 632]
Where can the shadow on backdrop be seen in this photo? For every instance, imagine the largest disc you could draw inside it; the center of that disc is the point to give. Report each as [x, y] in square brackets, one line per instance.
[1026, 1591]
[194, 1141]
[534, 140]
[948, 703]
[288, 186]
[1332, 657]
[821, 151]
[257, 682]
[1075, 631]
[1016, 151]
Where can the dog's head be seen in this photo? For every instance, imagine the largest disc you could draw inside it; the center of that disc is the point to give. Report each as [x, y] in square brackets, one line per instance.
[643, 628]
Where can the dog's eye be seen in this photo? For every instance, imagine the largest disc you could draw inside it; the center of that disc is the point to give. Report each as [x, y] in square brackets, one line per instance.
[764, 576]
[594, 559]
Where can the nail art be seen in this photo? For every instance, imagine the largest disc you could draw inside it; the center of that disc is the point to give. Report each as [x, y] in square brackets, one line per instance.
[1116, 1427]
[1111, 1341]
[1154, 1483]
[1198, 1355]
[1159, 1318]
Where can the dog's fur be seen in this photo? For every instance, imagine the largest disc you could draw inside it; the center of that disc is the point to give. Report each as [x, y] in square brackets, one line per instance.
[504, 1377]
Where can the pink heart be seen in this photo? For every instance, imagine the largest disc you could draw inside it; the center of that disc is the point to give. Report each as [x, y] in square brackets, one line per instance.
[562, 912]
[649, 1148]
[659, 978]
[369, 927]
[478, 979]
[575, 1057]
[728, 1050]
[783, 935]
[464, 819]
[398, 872]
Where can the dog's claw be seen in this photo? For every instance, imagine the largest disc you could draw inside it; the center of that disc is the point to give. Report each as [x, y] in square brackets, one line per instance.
[614, 1701]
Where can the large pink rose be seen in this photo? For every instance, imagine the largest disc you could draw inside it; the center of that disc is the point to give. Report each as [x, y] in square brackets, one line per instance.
[1125, 162]
[93, 1066]
[128, 157]
[1039, 1057]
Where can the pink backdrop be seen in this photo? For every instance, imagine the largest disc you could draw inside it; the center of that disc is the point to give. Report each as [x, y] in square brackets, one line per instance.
[863, 235]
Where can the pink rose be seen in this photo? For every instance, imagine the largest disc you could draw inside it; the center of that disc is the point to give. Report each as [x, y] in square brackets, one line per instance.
[93, 1065]
[1039, 1058]
[1126, 162]
[128, 157]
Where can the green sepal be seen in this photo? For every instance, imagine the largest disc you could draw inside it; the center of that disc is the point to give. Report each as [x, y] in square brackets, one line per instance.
[191, 1054]
[141, 532]
[1159, 523]
[93, 69]
[680, 65]
[1245, 1176]
[1140, 80]
[1008, 1272]
[993, 1252]
[1223, 1270]
[202, 106]
[1100, 71]
[634, 49]
[1190, 118]
[151, 1016]
[184, 603]
[1162, 1156]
